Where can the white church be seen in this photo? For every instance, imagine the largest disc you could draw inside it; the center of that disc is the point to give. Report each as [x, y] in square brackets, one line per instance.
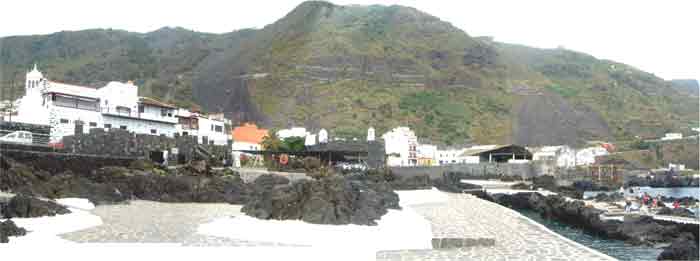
[67, 108]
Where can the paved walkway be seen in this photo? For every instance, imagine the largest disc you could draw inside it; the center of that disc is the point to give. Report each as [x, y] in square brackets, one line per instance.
[517, 237]
[155, 222]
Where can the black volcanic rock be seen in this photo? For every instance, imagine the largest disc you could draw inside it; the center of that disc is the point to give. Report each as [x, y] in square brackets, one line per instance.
[679, 212]
[8, 228]
[331, 200]
[685, 247]
[26, 207]
[609, 197]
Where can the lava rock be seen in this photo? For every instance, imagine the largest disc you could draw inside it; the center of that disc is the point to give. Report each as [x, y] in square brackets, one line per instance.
[545, 182]
[521, 185]
[609, 197]
[412, 183]
[679, 212]
[644, 230]
[10, 229]
[25, 207]
[685, 247]
[331, 200]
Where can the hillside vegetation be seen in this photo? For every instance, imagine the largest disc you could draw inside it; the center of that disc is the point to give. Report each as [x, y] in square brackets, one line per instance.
[345, 68]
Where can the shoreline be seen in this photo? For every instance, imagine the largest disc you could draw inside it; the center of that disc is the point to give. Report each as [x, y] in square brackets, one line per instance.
[600, 254]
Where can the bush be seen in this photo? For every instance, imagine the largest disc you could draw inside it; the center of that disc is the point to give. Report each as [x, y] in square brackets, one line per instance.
[312, 163]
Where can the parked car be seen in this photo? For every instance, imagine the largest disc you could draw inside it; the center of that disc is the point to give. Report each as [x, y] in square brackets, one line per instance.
[22, 137]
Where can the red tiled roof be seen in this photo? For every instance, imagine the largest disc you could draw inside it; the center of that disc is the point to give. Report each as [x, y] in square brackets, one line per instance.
[249, 132]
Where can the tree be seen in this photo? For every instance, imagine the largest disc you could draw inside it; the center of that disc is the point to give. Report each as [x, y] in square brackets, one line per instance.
[272, 142]
[293, 144]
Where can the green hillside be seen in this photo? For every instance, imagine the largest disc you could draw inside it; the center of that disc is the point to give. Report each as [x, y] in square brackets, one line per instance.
[347, 67]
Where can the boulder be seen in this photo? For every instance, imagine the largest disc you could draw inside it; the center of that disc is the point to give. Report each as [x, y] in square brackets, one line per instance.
[644, 230]
[9, 229]
[546, 182]
[332, 200]
[26, 207]
[684, 247]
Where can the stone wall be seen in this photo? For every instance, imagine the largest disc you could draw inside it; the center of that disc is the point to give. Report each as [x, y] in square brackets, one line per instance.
[55, 163]
[118, 142]
[525, 170]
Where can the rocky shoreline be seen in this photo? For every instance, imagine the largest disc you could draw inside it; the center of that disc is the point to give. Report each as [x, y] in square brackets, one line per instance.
[639, 230]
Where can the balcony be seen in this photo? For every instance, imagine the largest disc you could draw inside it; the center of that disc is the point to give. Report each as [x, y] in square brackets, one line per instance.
[131, 114]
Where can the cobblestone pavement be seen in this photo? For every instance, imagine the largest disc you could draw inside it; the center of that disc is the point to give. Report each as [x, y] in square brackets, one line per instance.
[155, 222]
[517, 238]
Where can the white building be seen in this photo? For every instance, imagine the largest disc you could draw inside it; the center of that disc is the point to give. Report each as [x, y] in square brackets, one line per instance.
[672, 136]
[587, 156]
[370, 134]
[293, 132]
[400, 144]
[427, 155]
[209, 129]
[67, 108]
[323, 136]
[449, 156]
[563, 156]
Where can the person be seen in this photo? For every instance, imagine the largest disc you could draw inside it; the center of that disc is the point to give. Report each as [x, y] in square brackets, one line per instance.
[645, 199]
[654, 203]
[676, 204]
[628, 205]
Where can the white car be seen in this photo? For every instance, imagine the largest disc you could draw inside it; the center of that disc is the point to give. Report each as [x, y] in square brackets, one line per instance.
[22, 137]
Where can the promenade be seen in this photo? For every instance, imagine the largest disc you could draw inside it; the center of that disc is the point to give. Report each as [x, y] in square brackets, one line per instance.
[516, 237]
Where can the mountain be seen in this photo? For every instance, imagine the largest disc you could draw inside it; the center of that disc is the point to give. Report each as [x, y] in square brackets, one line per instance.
[688, 86]
[347, 67]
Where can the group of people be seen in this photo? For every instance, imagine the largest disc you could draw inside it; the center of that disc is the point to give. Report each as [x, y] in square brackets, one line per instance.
[648, 202]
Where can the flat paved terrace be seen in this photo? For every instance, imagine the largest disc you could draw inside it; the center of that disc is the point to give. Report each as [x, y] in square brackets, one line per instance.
[516, 237]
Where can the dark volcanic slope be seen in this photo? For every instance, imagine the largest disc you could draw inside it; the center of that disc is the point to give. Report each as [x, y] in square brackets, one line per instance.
[546, 119]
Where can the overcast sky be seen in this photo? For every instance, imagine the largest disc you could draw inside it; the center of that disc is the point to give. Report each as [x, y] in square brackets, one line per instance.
[661, 37]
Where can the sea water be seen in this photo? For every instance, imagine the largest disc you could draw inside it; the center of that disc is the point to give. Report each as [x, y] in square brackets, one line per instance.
[611, 247]
[693, 192]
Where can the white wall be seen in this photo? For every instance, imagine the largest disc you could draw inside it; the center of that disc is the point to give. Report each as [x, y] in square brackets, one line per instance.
[141, 126]
[205, 129]
[399, 141]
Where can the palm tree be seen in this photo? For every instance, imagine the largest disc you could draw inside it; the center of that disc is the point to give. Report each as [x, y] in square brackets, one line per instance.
[271, 142]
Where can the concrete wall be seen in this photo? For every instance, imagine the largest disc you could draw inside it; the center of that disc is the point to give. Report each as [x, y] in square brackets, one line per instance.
[525, 170]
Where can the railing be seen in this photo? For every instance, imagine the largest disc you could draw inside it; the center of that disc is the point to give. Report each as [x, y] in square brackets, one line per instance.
[139, 115]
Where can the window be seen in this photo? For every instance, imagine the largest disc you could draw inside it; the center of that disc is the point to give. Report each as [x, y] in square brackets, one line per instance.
[141, 108]
[93, 124]
[65, 121]
[211, 142]
[163, 112]
[184, 133]
[107, 126]
[153, 131]
[218, 129]
[123, 127]
[123, 110]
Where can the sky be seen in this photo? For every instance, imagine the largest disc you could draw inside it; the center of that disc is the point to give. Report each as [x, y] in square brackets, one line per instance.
[661, 37]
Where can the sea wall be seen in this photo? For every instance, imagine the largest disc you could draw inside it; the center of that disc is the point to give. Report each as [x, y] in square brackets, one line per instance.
[524, 170]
